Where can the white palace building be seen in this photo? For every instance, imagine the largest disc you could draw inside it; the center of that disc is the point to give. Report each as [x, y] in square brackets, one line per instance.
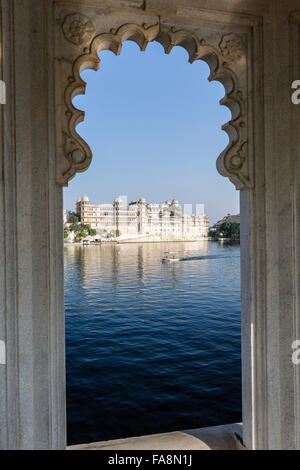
[138, 218]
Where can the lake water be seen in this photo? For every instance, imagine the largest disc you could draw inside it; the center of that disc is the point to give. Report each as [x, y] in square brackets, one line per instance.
[151, 347]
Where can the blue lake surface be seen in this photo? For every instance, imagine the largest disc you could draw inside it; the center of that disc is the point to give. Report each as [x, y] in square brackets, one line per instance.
[151, 347]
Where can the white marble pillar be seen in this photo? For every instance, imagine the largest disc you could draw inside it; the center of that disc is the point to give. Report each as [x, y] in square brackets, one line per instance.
[32, 382]
[270, 261]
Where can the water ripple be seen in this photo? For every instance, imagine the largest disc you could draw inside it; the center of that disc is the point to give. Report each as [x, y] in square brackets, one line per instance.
[151, 347]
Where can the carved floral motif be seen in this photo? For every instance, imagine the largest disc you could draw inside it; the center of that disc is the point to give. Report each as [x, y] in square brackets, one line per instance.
[72, 150]
[237, 160]
[78, 29]
[232, 47]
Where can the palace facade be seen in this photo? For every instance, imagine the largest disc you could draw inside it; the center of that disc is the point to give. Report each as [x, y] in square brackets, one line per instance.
[165, 221]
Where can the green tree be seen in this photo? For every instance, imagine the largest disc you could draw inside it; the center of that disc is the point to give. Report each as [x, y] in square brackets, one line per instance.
[73, 218]
[75, 227]
[226, 230]
[80, 236]
[229, 230]
[118, 233]
[66, 233]
[213, 233]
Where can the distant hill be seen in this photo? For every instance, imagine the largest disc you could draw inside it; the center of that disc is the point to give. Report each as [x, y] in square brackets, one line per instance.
[229, 218]
[227, 228]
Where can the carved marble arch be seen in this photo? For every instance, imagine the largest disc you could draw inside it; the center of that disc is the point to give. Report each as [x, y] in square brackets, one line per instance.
[226, 55]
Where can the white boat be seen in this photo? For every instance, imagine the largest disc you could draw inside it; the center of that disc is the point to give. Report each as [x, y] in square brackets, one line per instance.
[170, 258]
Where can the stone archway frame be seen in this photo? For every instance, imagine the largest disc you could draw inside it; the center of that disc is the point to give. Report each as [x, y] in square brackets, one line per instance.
[231, 44]
[81, 34]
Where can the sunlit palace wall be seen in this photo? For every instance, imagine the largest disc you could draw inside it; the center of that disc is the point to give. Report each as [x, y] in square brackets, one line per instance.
[167, 220]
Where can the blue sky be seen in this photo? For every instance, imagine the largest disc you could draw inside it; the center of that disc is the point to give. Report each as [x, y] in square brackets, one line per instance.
[153, 122]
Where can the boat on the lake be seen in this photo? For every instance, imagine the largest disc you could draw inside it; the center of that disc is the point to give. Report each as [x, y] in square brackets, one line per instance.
[170, 258]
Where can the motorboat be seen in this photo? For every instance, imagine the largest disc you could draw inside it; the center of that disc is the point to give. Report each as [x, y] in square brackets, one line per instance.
[170, 258]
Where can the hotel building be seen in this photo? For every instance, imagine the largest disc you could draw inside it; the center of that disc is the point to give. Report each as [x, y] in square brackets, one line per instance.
[162, 221]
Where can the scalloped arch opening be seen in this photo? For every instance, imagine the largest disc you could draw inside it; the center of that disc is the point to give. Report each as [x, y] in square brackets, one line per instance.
[168, 38]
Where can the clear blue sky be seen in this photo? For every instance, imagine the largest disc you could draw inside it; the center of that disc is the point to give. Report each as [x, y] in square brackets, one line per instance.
[153, 122]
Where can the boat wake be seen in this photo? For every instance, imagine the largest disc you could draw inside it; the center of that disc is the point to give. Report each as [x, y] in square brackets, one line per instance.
[200, 258]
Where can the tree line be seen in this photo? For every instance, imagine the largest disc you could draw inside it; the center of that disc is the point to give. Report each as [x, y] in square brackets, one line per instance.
[226, 230]
[81, 230]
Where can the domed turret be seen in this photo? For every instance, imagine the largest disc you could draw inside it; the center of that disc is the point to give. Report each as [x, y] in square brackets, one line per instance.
[175, 202]
[85, 198]
[142, 201]
[118, 200]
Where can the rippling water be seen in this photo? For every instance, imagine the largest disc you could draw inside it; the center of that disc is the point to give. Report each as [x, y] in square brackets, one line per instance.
[151, 347]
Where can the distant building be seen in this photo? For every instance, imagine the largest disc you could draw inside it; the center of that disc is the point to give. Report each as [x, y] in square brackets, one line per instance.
[66, 215]
[165, 221]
